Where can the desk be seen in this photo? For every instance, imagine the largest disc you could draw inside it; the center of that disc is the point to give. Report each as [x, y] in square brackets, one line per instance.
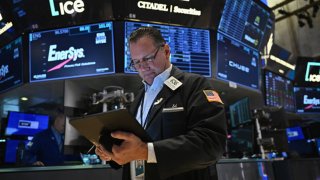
[72, 172]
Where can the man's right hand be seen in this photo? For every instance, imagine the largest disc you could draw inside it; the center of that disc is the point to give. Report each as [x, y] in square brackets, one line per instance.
[38, 163]
[102, 153]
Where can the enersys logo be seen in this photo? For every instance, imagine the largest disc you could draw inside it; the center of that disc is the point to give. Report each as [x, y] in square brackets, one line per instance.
[67, 7]
[71, 53]
[312, 77]
[310, 102]
[3, 71]
[66, 55]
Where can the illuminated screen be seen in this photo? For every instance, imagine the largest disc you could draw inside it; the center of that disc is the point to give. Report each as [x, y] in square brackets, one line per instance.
[248, 21]
[307, 72]
[71, 52]
[236, 62]
[11, 149]
[294, 133]
[11, 61]
[240, 112]
[307, 100]
[25, 124]
[279, 91]
[189, 47]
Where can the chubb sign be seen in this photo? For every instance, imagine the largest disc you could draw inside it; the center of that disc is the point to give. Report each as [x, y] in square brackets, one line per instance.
[67, 7]
[309, 77]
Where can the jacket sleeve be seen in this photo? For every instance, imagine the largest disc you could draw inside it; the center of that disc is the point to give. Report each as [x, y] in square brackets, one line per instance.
[31, 151]
[204, 140]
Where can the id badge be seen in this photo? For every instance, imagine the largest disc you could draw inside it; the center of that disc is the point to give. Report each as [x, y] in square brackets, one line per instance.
[139, 168]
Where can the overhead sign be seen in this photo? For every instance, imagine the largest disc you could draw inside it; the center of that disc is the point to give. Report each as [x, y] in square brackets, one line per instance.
[314, 74]
[191, 13]
[68, 7]
[168, 8]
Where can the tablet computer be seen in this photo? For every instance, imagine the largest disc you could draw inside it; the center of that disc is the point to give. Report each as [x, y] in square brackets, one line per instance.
[97, 127]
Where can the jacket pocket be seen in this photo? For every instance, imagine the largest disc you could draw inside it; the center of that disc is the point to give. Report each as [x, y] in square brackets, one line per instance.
[173, 123]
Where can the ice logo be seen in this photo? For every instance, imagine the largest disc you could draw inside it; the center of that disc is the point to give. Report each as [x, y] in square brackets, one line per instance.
[310, 77]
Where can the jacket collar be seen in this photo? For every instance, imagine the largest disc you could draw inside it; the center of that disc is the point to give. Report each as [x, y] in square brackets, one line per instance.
[161, 98]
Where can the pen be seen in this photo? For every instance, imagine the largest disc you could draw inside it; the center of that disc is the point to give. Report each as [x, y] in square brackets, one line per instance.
[90, 149]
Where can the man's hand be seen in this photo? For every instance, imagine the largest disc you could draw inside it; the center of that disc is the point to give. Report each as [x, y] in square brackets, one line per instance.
[132, 148]
[38, 163]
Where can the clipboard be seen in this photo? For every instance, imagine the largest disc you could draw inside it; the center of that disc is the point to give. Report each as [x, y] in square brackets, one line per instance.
[97, 127]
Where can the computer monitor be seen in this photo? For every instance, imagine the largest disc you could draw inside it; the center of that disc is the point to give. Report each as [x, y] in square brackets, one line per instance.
[240, 112]
[307, 72]
[189, 47]
[248, 21]
[278, 91]
[77, 51]
[236, 62]
[11, 150]
[307, 100]
[11, 65]
[25, 124]
[294, 133]
[242, 142]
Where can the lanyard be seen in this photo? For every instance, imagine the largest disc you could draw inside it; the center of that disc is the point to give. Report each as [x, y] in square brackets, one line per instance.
[143, 123]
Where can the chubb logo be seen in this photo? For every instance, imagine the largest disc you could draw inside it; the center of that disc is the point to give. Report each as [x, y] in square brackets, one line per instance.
[312, 77]
[4, 70]
[239, 66]
[71, 53]
[313, 101]
[67, 7]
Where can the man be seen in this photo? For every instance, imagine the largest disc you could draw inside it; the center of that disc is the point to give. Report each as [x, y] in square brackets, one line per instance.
[46, 147]
[180, 112]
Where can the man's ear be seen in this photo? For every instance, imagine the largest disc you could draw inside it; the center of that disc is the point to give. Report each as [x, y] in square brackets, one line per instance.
[167, 51]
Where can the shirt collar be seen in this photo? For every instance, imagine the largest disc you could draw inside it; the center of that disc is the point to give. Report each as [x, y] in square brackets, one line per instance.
[55, 132]
[158, 80]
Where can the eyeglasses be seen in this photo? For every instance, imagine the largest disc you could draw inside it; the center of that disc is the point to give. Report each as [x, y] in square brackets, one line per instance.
[137, 64]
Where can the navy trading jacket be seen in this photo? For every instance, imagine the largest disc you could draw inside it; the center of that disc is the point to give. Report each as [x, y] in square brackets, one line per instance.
[44, 148]
[188, 130]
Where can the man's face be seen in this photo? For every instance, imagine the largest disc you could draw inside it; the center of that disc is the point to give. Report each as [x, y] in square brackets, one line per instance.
[59, 123]
[144, 48]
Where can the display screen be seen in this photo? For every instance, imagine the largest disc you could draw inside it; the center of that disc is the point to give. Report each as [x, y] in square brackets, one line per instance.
[280, 52]
[307, 100]
[279, 91]
[25, 124]
[240, 112]
[237, 62]
[248, 21]
[307, 72]
[11, 151]
[294, 133]
[11, 65]
[189, 47]
[72, 52]
[242, 141]
[191, 13]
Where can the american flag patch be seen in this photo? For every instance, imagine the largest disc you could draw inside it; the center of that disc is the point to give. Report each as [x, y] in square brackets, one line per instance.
[212, 96]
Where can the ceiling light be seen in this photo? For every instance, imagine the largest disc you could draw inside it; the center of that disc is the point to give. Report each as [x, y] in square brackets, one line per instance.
[24, 99]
